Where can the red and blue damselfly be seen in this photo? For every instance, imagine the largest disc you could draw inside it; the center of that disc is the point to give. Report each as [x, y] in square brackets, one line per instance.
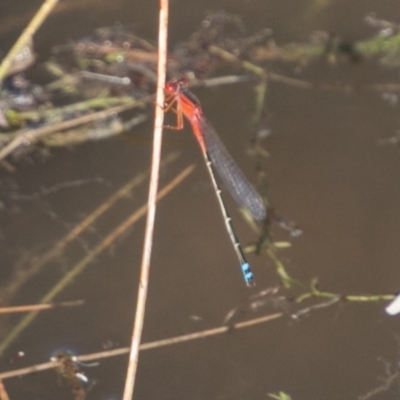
[217, 158]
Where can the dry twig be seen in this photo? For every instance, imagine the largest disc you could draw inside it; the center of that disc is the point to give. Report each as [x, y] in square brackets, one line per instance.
[146, 346]
[155, 166]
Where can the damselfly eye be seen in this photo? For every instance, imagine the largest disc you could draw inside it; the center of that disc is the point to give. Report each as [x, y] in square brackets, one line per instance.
[170, 87]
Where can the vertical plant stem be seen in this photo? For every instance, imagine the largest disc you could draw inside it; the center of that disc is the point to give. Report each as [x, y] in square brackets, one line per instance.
[3, 392]
[148, 240]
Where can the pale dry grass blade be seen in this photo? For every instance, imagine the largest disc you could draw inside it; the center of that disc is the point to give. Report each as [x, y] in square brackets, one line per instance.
[148, 240]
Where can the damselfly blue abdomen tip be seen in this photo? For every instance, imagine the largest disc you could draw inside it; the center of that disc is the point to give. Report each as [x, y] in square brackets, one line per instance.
[248, 274]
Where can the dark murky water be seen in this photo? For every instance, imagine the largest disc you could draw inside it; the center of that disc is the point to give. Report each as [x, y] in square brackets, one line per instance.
[326, 172]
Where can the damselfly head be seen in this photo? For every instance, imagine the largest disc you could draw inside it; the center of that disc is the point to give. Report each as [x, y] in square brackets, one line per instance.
[175, 85]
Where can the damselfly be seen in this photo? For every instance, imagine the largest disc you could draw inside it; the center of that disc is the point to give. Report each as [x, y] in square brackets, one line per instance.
[217, 157]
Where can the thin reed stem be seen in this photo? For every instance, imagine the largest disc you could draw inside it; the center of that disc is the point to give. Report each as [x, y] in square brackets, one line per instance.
[39, 307]
[148, 240]
[3, 392]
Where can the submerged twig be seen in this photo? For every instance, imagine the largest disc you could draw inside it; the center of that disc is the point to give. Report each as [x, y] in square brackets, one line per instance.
[227, 56]
[83, 263]
[318, 306]
[28, 137]
[299, 83]
[84, 134]
[39, 307]
[21, 278]
[222, 80]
